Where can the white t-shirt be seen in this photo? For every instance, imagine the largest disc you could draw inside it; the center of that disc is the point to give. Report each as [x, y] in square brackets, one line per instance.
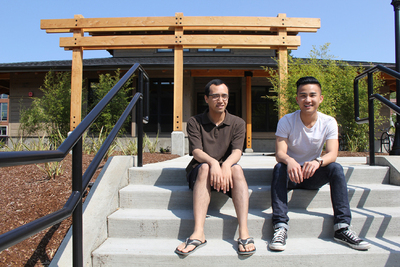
[306, 144]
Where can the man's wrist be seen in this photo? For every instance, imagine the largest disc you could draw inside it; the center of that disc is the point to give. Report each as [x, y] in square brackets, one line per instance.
[319, 160]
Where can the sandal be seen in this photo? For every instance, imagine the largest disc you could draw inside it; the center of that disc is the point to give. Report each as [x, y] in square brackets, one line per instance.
[244, 243]
[194, 242]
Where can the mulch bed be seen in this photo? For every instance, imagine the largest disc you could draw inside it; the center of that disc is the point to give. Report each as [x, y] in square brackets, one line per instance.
[27, 194]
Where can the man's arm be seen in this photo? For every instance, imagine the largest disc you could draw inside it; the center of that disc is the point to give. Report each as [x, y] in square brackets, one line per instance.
[216, 178]
[220, 176]
[332, 148]
[233, 158]
[293, 167]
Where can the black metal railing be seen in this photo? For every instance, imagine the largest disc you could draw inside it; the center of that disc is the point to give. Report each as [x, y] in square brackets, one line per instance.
[80, 182]
[371, 96]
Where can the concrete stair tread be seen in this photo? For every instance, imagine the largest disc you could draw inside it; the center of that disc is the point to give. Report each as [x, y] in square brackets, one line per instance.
[218, 252]
[172, 175]
[161, 223]
[160, 188]
[160, 214]
[180, 197]
[215, 247]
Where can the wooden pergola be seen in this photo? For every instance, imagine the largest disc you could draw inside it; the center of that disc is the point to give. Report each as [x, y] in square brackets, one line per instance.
[177, 33]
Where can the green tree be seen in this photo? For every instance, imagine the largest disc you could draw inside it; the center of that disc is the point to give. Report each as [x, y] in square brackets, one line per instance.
[51, 112]
[336, 78]
[114, 109]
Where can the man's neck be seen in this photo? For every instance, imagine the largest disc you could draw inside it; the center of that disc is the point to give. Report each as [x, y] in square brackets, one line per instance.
[309, 120]
[216, 118]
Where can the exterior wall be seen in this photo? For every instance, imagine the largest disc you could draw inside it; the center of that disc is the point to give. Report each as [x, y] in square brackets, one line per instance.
[20, 86]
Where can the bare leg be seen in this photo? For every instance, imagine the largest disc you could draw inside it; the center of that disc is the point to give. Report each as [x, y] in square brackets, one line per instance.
[240, 197]
[201, 201]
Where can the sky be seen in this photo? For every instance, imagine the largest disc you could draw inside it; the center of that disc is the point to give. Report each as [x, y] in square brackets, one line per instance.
[357, 30]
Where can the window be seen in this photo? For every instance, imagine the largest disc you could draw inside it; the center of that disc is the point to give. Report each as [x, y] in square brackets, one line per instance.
[3, 130]
[264, 115]
[3, 111]
[3, 96]
[161, 104]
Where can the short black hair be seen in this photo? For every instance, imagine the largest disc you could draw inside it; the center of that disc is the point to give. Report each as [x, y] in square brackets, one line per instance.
[213, 82]
[307, 80]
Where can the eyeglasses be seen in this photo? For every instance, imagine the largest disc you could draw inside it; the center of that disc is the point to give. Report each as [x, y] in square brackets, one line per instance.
[217, 96]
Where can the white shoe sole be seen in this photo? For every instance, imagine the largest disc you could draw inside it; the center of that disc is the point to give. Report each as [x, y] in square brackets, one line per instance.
[361, 246]
[276, 247]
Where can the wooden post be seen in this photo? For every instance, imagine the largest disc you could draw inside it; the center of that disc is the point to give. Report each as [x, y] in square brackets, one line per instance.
[76, 81]
[248, 110]
[178, 74]
[283, 63]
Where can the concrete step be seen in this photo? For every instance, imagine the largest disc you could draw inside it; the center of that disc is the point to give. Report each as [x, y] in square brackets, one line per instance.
[178, 224]
[180, 197]
[162, 175]
[218, 252]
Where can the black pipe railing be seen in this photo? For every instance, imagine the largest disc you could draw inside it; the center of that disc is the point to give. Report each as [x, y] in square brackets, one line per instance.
[80, 182]
[371, 97]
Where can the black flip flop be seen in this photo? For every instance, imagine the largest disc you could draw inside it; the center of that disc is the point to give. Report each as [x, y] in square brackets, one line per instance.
[244, 243]
[194, 242]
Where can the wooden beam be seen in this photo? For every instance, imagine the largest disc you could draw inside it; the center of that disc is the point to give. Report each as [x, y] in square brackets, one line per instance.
[186, 40]
[217, 23]
[225, 73]
[4, 76]
[119, 23]
[178, 82]
[248, 112]
[282, 59]
[217, 73]
[283, 69]
[76, 84]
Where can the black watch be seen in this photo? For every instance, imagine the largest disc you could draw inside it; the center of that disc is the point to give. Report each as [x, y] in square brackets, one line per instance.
[320, 161]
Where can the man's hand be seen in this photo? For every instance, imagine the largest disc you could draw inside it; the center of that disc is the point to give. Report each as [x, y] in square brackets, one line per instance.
[294, 171]
[216, 178]
[309, 168]
[227, 177]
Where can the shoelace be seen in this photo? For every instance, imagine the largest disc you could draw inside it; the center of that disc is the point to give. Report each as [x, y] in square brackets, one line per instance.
[351, 235]
[279, 235]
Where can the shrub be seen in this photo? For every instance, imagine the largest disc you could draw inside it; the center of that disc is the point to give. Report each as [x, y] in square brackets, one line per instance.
[50, 113]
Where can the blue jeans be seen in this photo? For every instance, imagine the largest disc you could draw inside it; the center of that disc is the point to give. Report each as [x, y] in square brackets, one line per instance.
[332, 174]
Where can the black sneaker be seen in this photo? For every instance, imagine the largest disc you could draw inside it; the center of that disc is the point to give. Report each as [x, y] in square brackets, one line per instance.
[278, 242]
[347, 236]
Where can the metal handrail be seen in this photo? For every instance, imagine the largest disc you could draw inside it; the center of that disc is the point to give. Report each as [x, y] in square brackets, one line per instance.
[371, 96]
[73, 142]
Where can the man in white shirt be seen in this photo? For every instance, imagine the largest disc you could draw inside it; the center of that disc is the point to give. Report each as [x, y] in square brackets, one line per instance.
[300, 138]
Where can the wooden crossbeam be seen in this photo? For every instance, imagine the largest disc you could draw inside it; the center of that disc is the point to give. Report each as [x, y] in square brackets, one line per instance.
[225, 73]
[116, 42]
[189, 23]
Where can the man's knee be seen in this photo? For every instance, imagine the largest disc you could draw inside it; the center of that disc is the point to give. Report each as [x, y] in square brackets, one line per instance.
[202, 174]
[237, 170]
[335, 169]
[280, 167]
[237, 173]
[279, 170]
